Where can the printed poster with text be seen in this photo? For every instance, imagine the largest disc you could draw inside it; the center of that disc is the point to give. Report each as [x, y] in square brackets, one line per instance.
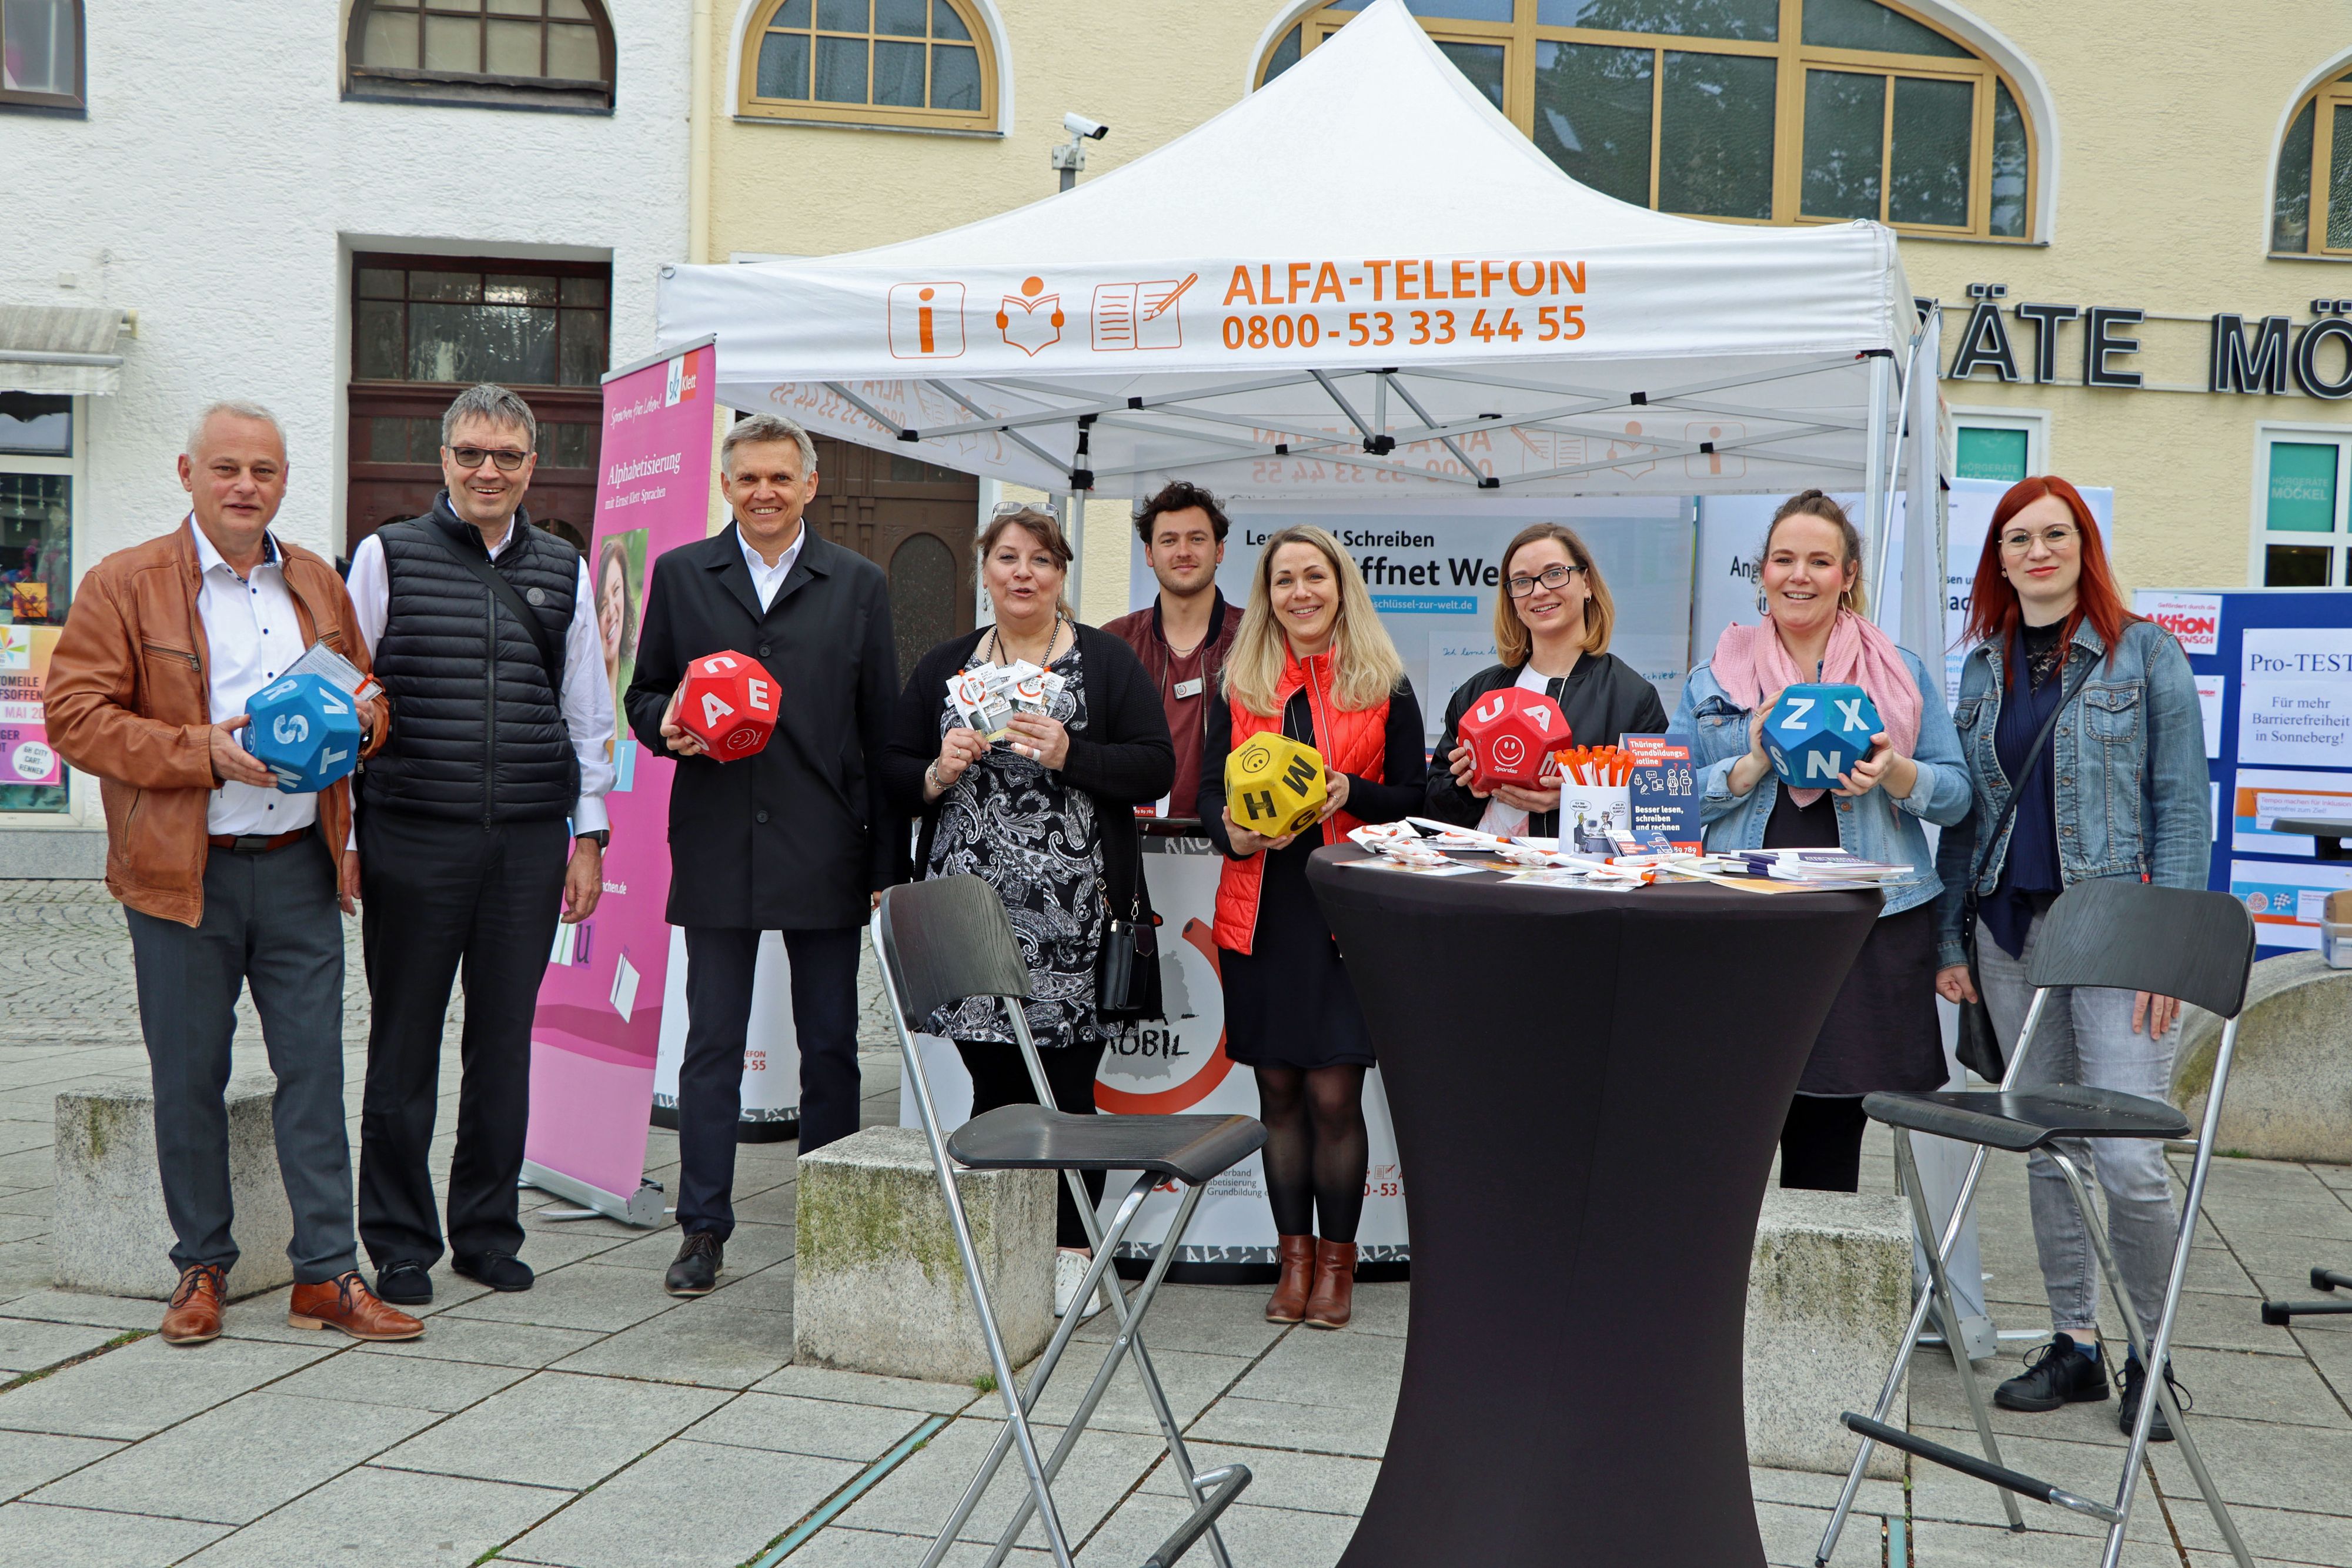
[598, 1027]
[32, 777]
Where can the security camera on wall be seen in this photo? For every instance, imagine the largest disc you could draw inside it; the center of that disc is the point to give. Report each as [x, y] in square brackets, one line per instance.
[1080, 125]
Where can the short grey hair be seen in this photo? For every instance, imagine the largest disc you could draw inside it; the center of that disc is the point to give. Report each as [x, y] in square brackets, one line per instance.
[234, 409]
[766, 427]
[495, 403]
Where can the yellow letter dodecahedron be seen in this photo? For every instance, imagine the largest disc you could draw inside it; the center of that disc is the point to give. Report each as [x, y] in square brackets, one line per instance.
[1274, 785]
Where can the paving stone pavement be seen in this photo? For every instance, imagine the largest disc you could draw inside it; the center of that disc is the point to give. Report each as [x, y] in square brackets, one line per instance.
[594, 1422]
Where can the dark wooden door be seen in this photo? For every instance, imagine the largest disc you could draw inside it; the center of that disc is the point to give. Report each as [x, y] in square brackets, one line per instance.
[914, 521]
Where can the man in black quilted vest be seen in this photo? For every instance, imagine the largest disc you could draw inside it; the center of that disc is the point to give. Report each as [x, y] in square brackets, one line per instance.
[483, 811]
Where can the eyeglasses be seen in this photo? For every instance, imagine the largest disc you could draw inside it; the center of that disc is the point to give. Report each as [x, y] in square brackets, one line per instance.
[507, 459]
[1553, 577]
[1009, 508]
[2057, 537]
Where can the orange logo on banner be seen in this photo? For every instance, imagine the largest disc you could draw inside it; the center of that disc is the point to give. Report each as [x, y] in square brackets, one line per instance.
[1031, 319]
[925, 321]
[1193, 1090]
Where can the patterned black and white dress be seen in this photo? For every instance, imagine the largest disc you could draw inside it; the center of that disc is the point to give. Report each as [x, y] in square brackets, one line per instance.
[1020, 828]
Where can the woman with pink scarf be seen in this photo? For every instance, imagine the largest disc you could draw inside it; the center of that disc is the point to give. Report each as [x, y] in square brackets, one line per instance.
[1881, 1033]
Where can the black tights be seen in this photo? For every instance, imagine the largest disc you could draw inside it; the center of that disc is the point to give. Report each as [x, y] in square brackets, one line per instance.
[1315, 1146]
[1821, 1143]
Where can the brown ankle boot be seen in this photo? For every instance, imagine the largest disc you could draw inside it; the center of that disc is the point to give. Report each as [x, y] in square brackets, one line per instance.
[1297, 1255]
[1332, 1301]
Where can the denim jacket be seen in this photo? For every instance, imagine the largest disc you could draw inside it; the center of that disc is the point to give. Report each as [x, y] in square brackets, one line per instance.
[1874, 826]
[2132, 791]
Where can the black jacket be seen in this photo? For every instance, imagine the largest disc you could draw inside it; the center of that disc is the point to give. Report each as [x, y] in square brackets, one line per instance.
[1123, 758]
[797, 837]
[478, 731]
[1603, 698]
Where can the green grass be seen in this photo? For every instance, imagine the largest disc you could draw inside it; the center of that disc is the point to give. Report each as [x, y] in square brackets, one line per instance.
[985, 1383]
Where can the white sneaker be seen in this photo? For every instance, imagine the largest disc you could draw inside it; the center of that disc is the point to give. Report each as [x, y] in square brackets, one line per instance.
[1069, 1273]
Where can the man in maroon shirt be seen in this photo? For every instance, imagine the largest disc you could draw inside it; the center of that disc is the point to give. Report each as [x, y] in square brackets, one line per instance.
[1183, 638]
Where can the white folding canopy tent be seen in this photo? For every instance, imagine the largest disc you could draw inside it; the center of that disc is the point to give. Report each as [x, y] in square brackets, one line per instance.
[1359, 282]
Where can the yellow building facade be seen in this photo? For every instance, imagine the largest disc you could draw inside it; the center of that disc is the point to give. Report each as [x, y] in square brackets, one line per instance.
[2134, 222]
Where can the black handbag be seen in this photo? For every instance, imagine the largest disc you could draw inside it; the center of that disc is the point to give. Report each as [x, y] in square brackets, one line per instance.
[1127, 971]
[1978, 1046]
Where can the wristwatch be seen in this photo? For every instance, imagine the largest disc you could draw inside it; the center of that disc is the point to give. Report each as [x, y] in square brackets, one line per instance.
[603, 836]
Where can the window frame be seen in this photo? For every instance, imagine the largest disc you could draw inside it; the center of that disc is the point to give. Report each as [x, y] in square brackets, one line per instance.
[1793, 57]
[75, 103]
[2034, 422]
[982, 121]
[365, 83]
[2333, 91]
[2338, 542]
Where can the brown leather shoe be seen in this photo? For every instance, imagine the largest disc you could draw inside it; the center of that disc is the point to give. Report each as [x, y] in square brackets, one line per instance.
[1333, 1299]
[347, 1303]
[195, 1314]
[1297, 1255]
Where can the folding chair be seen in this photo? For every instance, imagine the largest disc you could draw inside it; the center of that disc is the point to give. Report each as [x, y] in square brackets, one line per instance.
[939, 942]
[2128, 935]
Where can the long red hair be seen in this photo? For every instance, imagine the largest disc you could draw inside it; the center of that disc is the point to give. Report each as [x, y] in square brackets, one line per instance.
[1993, 610]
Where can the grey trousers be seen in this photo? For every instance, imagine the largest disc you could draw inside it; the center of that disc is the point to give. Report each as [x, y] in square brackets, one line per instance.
[270, 922]
[2086, 1037]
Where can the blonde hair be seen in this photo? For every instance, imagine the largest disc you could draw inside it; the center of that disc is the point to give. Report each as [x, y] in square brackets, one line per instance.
[1512, 640]
[1364, 664]
[1816, 504]
[1043, 526]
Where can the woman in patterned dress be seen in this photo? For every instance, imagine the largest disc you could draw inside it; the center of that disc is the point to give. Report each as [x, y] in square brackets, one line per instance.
[1045, 816]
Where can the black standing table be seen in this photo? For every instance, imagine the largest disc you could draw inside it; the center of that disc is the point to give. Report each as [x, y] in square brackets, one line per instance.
[1588, 1088]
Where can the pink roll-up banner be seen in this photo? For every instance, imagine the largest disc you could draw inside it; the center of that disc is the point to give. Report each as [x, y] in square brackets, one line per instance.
[597, 1032]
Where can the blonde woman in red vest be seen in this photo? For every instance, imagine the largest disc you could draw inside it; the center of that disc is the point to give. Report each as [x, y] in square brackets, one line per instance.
[1313, 661]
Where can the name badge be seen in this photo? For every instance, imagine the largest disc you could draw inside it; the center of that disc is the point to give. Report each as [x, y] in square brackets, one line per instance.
[1191, 688]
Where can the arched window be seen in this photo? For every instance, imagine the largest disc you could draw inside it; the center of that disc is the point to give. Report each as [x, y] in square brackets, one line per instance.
[1784, 112]
[41, 53]
[922, 63]
[515, 54]
[2311, 214]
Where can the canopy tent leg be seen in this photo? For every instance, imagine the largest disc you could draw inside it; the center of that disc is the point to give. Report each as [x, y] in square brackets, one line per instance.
[1875, 497]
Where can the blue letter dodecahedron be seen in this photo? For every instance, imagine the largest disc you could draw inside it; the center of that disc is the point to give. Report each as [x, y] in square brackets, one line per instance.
[1816, 733]
[306, 728]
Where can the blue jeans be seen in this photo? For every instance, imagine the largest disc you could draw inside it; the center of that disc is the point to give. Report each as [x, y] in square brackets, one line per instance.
[2086, 1037]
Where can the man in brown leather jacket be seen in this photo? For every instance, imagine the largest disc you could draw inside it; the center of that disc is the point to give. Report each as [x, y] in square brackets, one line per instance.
[228, 880]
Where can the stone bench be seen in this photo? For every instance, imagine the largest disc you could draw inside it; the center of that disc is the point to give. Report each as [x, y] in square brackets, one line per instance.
[877, 1285]
[1829, 1295]
[110, 1234]
[2291, 1083]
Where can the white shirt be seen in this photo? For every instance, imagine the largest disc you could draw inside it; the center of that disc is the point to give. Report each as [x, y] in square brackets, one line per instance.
[1502, 819]
[251, 632]
[765, 578]
[587, 690]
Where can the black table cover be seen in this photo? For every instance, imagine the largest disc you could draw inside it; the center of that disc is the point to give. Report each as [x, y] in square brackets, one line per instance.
[1587, 1089]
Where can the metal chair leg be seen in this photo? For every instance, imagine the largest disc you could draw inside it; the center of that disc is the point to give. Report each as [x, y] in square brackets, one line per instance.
[1075, 1427]
[2189, 1452]
[969, 1253]
[1948, 1306]
[2160, 1352]
[1179, 1457]
[1940, 1253]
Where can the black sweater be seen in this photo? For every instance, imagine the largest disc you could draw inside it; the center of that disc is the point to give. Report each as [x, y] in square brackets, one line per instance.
[1603, 698]
[1123, 758]
[1397, 794]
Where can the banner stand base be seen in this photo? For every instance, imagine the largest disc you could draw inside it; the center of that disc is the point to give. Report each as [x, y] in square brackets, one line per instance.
[642, 1207]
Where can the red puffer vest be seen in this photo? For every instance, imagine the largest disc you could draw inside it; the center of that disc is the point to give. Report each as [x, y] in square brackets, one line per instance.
[1351, 741]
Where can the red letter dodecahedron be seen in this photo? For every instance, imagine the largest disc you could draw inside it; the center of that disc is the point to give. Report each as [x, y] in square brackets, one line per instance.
[1512, 735]
[730, 704]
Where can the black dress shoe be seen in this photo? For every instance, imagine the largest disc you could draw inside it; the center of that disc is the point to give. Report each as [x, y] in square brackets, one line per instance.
[695, 1272]
[2159, 1430]
[498, 1270]
[2058, 1373]
[403, 1284]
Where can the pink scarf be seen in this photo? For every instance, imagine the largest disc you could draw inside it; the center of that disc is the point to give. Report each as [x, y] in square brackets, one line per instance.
[1751, 663]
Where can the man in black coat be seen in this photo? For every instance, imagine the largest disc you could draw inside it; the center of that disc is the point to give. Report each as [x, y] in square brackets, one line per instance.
[796, 838]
